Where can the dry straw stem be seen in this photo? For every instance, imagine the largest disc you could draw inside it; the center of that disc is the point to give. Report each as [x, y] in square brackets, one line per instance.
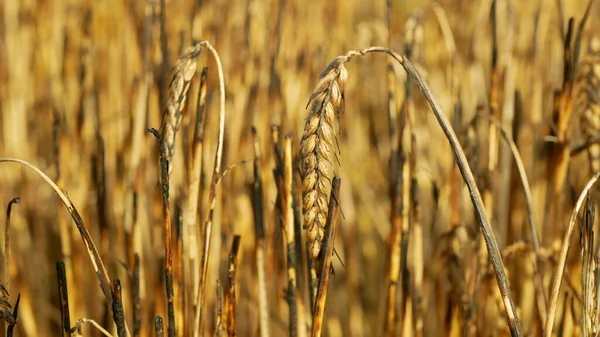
[396, 162]
[259, 229]
[164, 175]
[105, 283]
[183, 71]
[489, 190]
[212, 193]
[319, 312]
[461, 160]
[296, 316]
[560, 269]
[413, 42]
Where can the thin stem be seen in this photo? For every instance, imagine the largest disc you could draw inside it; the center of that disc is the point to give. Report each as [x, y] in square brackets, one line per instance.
[212, 194]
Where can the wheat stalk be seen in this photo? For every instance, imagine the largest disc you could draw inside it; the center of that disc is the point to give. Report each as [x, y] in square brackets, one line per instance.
[317, 151]
[183, 71]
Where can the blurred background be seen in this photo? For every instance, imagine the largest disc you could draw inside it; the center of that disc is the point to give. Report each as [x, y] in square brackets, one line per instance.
[81, 80]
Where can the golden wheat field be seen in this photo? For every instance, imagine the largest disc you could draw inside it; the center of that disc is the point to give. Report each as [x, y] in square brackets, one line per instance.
[302, 168]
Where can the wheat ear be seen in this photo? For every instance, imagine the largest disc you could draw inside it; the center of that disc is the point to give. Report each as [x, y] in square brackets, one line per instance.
[317, 149]
[183, 71]
[587, 100]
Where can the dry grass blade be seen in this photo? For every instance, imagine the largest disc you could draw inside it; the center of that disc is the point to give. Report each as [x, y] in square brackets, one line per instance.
[325, 272]
[184, 70]
[317, 150]
[560, 269]
[99, 268]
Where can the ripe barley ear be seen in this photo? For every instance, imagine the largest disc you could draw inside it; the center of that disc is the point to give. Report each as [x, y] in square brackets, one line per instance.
[317, 150]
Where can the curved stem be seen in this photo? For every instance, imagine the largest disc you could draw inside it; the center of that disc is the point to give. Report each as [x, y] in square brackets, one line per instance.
[212, 193]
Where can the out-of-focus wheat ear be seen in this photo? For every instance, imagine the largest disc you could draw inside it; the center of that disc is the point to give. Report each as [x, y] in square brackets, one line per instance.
[317, 151]
[587, 100]
[588, 269]
[183, 71]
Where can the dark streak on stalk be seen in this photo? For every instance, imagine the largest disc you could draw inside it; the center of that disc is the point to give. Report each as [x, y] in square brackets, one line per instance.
[235, 246]
[135, 290]
[164, 166]
[63, 296]
[158, 327]
[117, 307]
